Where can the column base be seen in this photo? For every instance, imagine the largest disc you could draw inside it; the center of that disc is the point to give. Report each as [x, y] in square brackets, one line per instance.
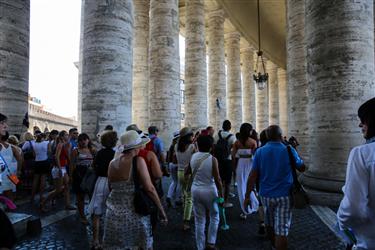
[321, 198]
[321, 183]
[323, 192]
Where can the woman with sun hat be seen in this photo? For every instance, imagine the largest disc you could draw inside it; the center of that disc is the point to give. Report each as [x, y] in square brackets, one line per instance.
[123, 227]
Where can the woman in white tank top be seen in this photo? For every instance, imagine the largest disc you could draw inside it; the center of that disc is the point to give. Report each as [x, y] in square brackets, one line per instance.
[206, 189]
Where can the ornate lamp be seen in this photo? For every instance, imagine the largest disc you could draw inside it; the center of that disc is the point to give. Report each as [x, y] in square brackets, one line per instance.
[260, 75]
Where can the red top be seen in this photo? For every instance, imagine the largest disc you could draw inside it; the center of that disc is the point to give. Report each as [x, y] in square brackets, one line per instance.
[63, 157]
[143, 153]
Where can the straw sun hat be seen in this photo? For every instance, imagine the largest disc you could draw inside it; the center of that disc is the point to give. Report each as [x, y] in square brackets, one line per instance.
[131, 140]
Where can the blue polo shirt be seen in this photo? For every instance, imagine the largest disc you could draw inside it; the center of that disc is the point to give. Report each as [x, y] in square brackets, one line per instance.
[274, 169]
[158, 145]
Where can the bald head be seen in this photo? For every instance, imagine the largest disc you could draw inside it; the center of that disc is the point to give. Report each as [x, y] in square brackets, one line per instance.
[274, 133]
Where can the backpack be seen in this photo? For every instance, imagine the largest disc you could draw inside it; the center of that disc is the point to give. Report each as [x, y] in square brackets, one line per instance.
[222, 147]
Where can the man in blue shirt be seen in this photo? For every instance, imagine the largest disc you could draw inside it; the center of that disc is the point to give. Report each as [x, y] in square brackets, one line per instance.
[158, 148]
[73, 138]
[271, 163]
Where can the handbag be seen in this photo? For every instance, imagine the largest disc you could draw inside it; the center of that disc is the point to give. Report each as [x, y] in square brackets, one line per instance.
[89, 181]
[12, 177]
[143, 204]
[29, 154]
[299, 197]
[191, 179]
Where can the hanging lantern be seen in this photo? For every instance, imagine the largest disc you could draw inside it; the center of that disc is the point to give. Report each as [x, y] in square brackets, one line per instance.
[260, 75]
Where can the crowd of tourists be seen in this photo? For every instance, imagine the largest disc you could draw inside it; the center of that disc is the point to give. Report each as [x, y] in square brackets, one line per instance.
[122, 176]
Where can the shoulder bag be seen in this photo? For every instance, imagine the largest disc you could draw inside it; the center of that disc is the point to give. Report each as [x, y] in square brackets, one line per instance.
[191, 179]
[143, 204]
[29, 153]
[299, 197]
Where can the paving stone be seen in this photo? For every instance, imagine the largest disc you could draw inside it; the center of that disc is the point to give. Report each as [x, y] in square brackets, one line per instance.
[307, 232]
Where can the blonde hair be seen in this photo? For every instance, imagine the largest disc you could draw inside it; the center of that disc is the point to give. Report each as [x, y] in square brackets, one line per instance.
[27, 136]
[13, 140]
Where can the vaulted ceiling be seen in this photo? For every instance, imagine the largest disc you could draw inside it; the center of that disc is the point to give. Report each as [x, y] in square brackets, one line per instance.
[242, 16]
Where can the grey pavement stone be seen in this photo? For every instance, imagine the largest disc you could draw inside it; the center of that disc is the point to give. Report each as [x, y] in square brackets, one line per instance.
[307, 232]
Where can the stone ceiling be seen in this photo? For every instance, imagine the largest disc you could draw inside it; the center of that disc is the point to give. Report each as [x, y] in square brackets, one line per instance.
[241, 15]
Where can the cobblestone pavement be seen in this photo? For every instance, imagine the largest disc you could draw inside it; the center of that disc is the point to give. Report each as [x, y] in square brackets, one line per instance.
[307, 232]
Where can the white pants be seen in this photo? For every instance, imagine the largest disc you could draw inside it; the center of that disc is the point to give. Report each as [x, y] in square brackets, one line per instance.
[174, 191]
[204, 199]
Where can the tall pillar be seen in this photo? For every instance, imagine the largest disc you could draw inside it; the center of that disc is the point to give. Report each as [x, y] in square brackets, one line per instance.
[273, 94]
[107, 65]
[341, 77]
[248, 86]
[14, 61]
[195, 65]
[164, 67]
[234, 90]
[296, 69]
[140, 99]
[217, 108]
[79, 66]
[261, 107]
[283, 100]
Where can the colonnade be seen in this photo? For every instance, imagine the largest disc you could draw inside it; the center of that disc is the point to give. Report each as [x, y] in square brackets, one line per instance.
[130, 73]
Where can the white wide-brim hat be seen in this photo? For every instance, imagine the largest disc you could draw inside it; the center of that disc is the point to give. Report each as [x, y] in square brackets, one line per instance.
[131, 139]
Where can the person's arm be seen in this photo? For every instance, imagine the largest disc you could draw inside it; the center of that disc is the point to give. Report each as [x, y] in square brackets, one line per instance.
[58, 153]
[73, 161]
[155, 166]
[233, 153]
[187, 171]
[147, 185]
[250, 186]
[354, 207]
[300, 165]
[17, 155]
[216, 175]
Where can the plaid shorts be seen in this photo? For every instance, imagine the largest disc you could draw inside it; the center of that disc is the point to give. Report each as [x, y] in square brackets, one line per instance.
[277, 214]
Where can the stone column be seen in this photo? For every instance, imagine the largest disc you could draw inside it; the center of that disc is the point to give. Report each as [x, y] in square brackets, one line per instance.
[216, 69]
[164, 67]
[80, 59]
[248, 86]
[283, 100]
[296, 69]
[261, 105]
[107, 65]
[14, 61]
[273, 94]
[140, 111]
[340, 77]
[195, 66]
[234, 90]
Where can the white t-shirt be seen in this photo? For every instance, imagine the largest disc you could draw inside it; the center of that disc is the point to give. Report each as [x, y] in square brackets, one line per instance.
[231, 140]
[41, 150]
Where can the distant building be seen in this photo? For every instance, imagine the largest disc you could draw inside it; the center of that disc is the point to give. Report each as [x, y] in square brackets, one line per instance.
[45, 120]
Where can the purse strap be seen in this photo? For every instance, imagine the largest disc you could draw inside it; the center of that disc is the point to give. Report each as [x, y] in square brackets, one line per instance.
[5, 163]
[293, 167]
[199, 166]
[134, 174]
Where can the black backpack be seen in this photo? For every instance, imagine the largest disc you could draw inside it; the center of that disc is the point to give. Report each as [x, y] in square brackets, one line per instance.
[222, 147]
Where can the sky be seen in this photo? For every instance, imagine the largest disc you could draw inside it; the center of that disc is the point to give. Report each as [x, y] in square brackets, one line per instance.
[54, 47]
